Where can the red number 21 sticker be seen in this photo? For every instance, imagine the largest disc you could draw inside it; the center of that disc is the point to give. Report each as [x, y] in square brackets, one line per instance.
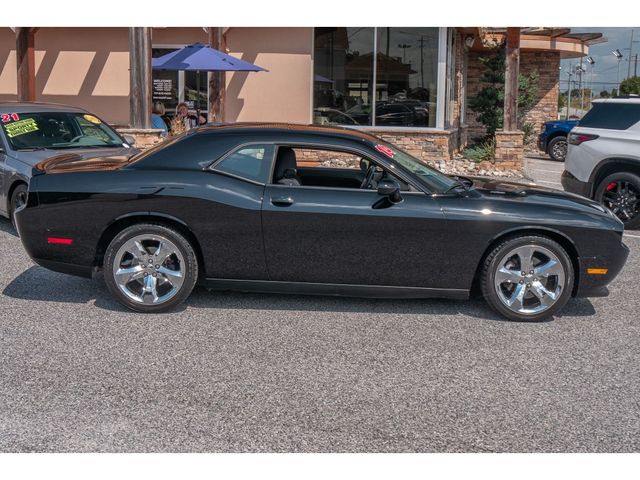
[385, 150]
[9, 117]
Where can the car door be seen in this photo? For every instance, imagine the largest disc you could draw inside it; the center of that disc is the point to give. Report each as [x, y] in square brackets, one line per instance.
[340, 235]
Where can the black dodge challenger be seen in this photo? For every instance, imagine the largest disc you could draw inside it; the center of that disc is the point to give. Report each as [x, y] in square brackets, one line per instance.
[312, 210]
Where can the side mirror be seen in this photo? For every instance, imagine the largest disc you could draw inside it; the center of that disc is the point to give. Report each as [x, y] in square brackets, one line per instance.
[129, 139]
[390, 189]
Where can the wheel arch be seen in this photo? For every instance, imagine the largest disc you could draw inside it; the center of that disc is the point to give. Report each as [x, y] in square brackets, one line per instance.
[135, 218]
[554, 135]
[612, 165]
[16, 183]
[559, 237]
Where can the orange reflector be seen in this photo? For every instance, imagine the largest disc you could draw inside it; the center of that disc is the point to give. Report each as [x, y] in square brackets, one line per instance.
[59, 241]
[597, 271]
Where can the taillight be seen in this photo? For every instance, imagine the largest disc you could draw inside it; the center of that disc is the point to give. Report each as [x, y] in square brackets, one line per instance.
[578, 138]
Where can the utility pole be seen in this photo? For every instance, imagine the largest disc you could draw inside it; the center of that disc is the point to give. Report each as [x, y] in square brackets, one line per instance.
[630, 51]
[569, 73]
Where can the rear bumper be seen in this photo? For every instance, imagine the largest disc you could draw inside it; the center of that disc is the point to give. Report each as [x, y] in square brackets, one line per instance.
[590, 285]
[573, 185]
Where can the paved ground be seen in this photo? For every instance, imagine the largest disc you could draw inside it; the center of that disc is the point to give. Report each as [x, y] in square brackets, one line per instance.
[245, 372]
[543, 170]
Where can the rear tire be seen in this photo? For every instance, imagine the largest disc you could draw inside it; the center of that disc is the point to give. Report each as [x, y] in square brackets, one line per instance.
[18, 198]
[558, 148]
[527, 278]
[150, 268]
[620, 193]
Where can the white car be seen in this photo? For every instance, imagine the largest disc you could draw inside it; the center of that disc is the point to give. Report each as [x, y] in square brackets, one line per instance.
[603, 159]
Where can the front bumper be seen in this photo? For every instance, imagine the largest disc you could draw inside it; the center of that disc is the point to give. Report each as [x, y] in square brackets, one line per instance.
[590, 285]
[573, 185]
[542, 144]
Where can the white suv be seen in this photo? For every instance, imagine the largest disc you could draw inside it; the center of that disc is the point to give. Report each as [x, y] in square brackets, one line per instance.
[603, 159]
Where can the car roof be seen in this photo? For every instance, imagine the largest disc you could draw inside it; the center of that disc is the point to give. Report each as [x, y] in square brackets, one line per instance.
[288, 128]
[625, 99]
[33, 107]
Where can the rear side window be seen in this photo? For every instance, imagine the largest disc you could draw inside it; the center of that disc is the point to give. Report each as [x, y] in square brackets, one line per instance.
[613, 116]
[251, 162]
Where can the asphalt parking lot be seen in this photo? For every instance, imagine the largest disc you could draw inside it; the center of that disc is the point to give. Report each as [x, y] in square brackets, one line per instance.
[234, 372]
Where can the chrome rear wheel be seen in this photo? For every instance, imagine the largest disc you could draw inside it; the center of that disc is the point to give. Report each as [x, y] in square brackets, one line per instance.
[149, 269]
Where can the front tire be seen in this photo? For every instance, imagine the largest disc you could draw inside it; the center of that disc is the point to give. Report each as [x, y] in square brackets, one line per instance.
[620, 193]
[150, 268]
[527, 278]
[558, 149]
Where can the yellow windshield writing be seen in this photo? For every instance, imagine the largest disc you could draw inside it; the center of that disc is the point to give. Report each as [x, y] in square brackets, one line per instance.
[21, 127]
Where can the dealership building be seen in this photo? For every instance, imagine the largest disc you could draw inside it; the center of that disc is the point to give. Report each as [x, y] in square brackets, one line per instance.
[410, 85]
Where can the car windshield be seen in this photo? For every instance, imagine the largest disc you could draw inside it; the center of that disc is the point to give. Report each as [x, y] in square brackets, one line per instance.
[433, 179]
[57, 130]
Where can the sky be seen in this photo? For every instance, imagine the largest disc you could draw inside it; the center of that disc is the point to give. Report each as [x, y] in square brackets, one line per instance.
[605, 70]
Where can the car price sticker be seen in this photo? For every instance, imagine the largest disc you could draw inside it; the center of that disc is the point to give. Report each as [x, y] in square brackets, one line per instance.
[21, 127]
[9, 117]
[92, 119]
[385, 150]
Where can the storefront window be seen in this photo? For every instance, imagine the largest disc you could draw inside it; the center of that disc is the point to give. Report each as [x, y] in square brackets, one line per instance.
[165, 84]
[343, 76]
[173, 87]
[407, 77]
[404, 72]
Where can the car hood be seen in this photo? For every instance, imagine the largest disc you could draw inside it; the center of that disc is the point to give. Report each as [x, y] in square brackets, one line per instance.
[73, 162]
[32, 158]
[532, 193]
[562, 123]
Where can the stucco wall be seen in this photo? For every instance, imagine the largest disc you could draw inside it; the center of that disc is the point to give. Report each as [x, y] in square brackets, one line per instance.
[283, 94]
[87, 67]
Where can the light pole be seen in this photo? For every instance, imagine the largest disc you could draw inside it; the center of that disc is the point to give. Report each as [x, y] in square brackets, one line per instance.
[618, 55]
[404, 47]
[591, 62]
[580, 70]
[569, 73]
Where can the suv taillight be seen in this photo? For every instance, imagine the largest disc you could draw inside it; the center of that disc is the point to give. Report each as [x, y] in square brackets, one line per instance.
[578, 138]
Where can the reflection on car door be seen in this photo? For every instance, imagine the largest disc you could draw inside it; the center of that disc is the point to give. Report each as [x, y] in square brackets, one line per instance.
[334, 235]
[4, 173]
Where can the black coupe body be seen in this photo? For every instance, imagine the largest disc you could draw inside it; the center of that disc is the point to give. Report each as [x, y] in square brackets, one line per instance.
[304, 209]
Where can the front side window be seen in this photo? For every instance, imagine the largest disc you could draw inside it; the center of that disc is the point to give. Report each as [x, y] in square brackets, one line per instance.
[403, 68]
[57, 130]
[251, 162]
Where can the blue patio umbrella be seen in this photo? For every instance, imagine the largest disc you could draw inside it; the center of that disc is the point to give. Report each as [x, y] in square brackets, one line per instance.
[202, 58]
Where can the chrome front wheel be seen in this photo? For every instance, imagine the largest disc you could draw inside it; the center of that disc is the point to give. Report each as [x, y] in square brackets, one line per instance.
[528, 277]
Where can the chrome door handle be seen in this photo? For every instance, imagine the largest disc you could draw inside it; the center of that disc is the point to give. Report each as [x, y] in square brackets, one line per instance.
[282, 201]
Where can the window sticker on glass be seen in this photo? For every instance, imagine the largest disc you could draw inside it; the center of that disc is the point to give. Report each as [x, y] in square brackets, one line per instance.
[385, 150]
[21, 127]
[92, 119]
[9, 117]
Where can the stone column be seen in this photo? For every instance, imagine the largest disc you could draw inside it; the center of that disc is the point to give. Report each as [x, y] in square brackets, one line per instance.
[509, 150]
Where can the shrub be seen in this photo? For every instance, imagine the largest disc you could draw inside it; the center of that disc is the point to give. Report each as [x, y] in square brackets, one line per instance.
[482, 151]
